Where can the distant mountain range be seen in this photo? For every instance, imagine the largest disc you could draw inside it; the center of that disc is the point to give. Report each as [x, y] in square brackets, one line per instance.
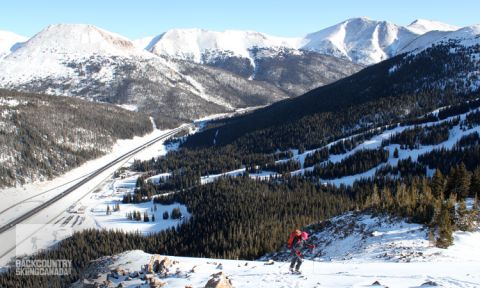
[185, 74]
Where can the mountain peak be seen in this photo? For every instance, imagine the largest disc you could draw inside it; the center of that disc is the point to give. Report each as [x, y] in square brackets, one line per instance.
[360, 40]
[82, 38]
[422, 26]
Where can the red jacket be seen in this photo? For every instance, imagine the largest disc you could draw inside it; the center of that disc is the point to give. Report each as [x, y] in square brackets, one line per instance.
[297, 241]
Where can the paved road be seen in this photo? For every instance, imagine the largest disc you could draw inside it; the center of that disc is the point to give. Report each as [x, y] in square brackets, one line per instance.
[59, 196]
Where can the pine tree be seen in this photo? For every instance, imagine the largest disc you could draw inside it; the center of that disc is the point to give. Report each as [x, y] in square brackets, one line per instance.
[395, 153]
[475, 183]
[438, 183]
[153, 217]
[451, 183]
[108, 210]
[176, 214]
[165, 215]
[463, 181]
[145, 217]
[445, 237]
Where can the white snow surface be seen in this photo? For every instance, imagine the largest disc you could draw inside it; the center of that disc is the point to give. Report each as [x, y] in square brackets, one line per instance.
[422, 26]
[354, 250]
[467, 36]
[361, 40]
[9, 41]
[191, 44]
[48, 54]
[111, 193]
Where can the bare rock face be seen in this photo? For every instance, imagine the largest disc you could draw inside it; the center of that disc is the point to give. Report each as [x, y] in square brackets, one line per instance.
[219, 280]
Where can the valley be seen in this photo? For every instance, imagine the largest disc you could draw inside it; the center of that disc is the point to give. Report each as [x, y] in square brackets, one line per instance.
[186, 159]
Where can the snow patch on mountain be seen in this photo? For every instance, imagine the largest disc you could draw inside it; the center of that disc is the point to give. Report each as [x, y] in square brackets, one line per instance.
[9, 42]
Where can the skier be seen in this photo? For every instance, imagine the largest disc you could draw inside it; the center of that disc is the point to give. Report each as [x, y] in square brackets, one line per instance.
[296, 242]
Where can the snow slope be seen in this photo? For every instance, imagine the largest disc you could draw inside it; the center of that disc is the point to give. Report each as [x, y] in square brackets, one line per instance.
[193, 44]
[466, 36]
[8, 42]
[406, 260]
[422, 26]
[49, 52]
[361, 40]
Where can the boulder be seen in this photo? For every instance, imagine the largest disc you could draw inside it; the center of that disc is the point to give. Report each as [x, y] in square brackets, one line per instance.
[155, 282]
[219, 280]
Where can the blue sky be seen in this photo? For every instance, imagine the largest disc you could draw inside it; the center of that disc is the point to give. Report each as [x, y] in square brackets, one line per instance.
[140, 18]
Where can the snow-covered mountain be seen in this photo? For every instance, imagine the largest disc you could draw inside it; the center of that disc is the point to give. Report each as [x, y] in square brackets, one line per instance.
[253, 55]
[86, 61]
[367, 41]
[184, 74]
[422, 26]
[9, 41]
[466, 36]
[360, 40]
[197, 44]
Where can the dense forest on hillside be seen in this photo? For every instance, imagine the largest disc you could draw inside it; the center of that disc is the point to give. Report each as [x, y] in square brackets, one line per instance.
[419, 84]
[42, 136]
[244, 218]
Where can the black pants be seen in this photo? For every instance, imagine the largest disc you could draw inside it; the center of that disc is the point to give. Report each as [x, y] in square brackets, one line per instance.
[296, 260]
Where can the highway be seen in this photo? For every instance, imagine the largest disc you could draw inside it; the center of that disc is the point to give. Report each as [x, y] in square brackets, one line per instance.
[89, 177]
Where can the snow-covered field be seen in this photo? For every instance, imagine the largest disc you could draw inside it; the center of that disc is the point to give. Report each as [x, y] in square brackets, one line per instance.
[111, 193]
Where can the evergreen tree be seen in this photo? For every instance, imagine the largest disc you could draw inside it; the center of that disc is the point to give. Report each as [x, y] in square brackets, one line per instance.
[438, 183]
[395, 153]
[165, 215]
[445, 237]
[475, 183]
[145, 217]
[463, 177]
[176, 214]
[108, 210]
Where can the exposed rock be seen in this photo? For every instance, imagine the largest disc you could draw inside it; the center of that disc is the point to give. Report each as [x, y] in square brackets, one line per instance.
[429, 284]
[219, 280]
[156, 282]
